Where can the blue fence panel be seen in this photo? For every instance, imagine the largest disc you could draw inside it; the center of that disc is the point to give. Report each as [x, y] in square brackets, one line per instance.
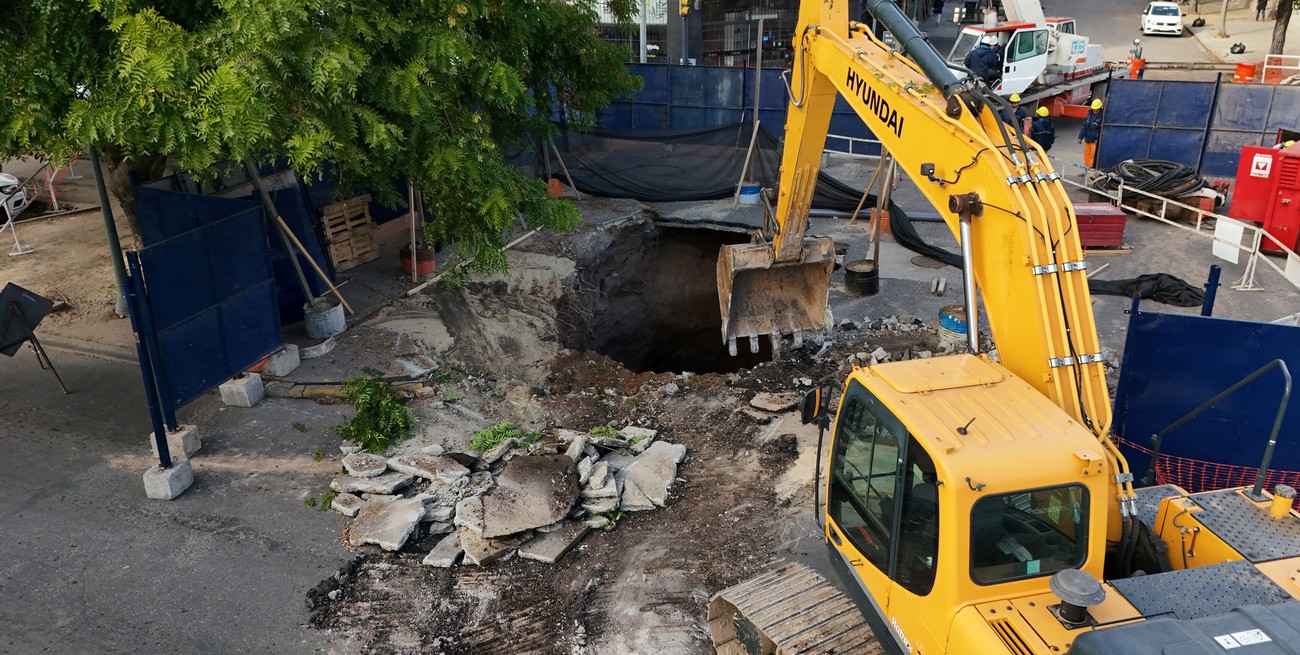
[675, 97]
[1175, 362]
[1284, 113]
[212, 296]
[1155, 119]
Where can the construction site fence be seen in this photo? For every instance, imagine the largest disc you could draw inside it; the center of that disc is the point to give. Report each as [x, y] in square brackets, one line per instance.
[1203, 125]
[1279, 69]
[695, 97]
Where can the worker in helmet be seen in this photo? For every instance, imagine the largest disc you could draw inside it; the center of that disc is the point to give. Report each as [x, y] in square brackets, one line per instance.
[1090, 133]
[1017, 115]
[1043, 131]
[984, 61]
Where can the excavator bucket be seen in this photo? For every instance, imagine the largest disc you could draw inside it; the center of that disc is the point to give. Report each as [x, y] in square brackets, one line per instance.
[759, 295]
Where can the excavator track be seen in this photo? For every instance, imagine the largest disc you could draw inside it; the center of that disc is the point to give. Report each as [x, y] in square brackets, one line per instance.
[789, 610]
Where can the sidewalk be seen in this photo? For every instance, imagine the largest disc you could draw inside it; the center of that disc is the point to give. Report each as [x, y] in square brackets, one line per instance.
[1243, 29]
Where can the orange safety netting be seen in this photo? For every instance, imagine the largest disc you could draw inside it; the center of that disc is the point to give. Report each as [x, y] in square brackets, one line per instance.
[1196, 475]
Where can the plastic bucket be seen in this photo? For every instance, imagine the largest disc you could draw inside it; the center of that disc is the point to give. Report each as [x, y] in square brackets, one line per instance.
[324, 318]
[952, 323]
[862, 277]
[1245, 73]
[423, 260]
[749, 194]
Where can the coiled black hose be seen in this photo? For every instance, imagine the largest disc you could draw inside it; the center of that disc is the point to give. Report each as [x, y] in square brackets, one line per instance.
[1163, 178]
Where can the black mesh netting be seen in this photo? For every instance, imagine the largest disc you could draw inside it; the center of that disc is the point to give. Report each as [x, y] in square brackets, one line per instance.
[676, 165]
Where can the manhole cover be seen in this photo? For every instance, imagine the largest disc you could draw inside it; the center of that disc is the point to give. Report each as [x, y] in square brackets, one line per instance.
[927, 262]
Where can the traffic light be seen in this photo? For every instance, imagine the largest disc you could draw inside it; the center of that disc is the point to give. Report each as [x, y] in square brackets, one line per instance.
[685, 7]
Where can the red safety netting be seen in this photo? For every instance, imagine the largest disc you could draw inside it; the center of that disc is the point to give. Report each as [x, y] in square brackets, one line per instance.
[1197, 475]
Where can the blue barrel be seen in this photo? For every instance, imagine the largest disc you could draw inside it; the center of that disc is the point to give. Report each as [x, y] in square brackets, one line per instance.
[749, 194]
[952, 323]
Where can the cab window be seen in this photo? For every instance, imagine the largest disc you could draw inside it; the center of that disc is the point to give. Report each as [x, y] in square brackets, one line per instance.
[1027, 44]
[864, 474]
[1028, 534]
[1066, 27]
[918, 533]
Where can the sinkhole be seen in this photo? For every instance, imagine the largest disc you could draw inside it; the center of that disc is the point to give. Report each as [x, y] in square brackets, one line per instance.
[647, 297]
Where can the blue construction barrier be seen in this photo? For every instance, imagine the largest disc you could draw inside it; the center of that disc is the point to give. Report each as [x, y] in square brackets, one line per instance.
[691, 97]
[1200, 124]
[1175, 362]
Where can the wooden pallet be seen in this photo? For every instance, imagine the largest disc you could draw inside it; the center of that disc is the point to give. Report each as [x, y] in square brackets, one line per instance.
[349, 233]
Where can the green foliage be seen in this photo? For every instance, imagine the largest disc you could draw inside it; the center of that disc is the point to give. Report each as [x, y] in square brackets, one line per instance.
[426, 91]
[489, 438]
[614, 517]
[381, 418]
[319, 455]
[327, 501]
[604, 431]
[301, 427]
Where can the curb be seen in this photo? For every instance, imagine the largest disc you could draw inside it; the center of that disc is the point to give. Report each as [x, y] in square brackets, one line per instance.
[89, 349]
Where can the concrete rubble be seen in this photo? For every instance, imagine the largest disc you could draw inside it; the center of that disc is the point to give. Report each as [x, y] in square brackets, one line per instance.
[534, 500]
[775, 402]
[364, 465]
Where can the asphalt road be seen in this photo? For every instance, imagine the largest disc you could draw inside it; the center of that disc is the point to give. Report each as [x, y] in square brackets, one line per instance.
[89, 565]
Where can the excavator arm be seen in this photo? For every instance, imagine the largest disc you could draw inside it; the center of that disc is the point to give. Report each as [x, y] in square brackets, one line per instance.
[994, 188]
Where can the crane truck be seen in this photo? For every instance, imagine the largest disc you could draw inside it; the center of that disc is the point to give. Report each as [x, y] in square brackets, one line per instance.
[977, 505]
[1044, 58]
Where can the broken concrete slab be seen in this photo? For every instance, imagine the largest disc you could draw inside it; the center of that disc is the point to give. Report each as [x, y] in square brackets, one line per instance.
[599, 476]
[618, 461]
[597, 522]
[438, 527]
[602, 505]
[430, 467]
[348, 449]
[168, 483]
[638, 439]
[387, 525]
[610, 489]
[469, 514]
[438, 513]
[569, 436]
[181, 442]
[775, 402]
[551, 546]
[386, 483]
[445, 553]
[653, 472]
[433, 449]
[477, 484]
[633, 499]
[347, 504]
[365, 465]
[576, 447]
[480, 550]
[491, 455]
[584, 469]
[530, 492]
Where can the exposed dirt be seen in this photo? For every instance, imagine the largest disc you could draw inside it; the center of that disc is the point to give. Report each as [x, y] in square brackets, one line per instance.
[642, 586]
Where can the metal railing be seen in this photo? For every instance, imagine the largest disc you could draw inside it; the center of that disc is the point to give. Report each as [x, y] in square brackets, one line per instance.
[1228, 234]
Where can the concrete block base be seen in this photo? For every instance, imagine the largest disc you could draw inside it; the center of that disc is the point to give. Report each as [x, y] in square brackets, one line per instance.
[181, 444]
[282, 362]
[243, 391]
[167, 484]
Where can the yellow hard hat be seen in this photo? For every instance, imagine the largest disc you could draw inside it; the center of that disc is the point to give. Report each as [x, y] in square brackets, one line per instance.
[1015, 97]
[1096, 104]
[1042, 111]
[1289, 143]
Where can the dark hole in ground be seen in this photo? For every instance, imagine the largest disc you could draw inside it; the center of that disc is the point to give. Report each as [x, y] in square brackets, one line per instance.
[649, 300]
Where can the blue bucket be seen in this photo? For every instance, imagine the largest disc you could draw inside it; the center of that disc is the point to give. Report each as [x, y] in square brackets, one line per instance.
[952, 323]
[749, 194]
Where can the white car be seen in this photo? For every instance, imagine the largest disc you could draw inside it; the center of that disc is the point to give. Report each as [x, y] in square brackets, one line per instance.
[12, 197]
[1162, 18]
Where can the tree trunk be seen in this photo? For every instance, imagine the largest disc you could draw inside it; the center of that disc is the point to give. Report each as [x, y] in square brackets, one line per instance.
[123, 175]
[1279, 27]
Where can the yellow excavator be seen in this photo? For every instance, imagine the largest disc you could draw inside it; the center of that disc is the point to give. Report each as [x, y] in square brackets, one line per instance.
[976, 504]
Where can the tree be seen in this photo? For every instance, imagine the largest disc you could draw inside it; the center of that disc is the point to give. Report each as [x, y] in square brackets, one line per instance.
[1280, 26]
[421, 89]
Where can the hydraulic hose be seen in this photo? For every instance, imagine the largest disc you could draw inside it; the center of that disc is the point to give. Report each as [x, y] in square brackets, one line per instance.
[1167, 179]
[915, 46]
